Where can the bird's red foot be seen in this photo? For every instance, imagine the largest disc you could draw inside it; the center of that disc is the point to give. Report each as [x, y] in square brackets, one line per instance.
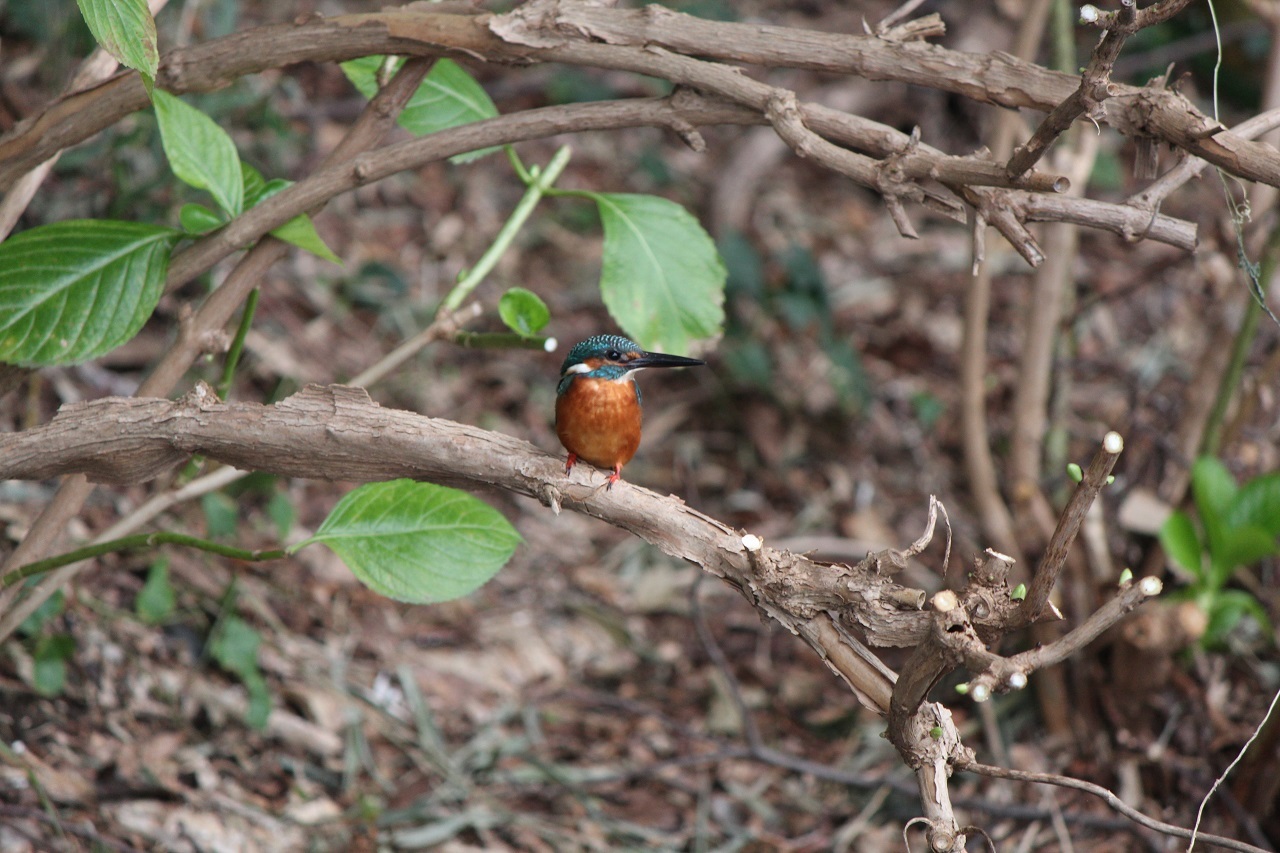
[615, 476]
[568, 465]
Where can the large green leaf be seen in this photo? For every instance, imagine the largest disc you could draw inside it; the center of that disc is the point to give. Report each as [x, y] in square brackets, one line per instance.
[200, 153]
[1214, 488]
[661, 277]
[1242, 546]
[1257, 503]
[417, 542]
[126, 30]
[71, 291]
[1180, 542]
[447, 97]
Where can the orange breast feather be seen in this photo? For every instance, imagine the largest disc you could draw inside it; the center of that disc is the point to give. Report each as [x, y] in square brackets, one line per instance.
[599, 420]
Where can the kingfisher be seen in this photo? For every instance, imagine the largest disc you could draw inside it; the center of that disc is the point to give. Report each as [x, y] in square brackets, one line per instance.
[598, 401]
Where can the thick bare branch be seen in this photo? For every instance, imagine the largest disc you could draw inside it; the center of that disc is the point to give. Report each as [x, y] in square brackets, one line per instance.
[1095, 83]
[337, 433]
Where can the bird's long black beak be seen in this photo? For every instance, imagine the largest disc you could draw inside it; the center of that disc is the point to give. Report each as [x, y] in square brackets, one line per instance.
[661, 359]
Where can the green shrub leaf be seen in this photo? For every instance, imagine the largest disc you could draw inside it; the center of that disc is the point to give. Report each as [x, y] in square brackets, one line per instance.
[1214, 488]
[200, 153]
[126, 30]
[448, 97]
[1225, 612]
[235, 646]
[417, 542]
[1243, 546]
[1257, 503]
[196, 219]
[661, 277]
[71, 291]
[299, 231]
[523, 311]
[155, 601]
[1179, 539]
[49, 676]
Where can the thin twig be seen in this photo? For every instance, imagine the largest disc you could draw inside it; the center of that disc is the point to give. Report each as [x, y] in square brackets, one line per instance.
[1109, 798]
[1055, 555]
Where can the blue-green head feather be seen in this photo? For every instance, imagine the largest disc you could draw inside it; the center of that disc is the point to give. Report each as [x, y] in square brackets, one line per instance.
[612, 357]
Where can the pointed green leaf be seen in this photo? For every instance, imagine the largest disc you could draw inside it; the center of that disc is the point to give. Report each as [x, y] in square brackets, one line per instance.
[126, 30]
[1226, 611]
[447, 97]
[299, 231]
[221, 515]
[71, 291]
[200, 153]
[1214, 488]
[51, 654]
[1179, 539]
[235, 646]
[417, 542]
[197, 219]
[523, 311]
[1257, 503]
[156, 599]
[1244, 546]
[661, 278]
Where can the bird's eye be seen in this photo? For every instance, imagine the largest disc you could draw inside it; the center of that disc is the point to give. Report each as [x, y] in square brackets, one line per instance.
[613, 355]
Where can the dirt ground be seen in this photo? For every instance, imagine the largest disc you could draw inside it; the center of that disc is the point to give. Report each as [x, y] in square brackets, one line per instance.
[596, 695]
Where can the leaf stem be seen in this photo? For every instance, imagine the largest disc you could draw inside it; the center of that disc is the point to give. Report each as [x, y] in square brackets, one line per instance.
[138, 540]
[1244, 340]
[538, 183]
[237, 344]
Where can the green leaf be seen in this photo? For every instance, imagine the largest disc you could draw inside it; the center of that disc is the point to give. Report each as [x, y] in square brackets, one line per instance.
[221, 515]
[661, 277]
[523, 311]
[1213, 484]
[1243, 546]
[447, 97]
[1075, 472]
[1214, 488]
[281, 512]
[49, 676]
[1257, 503]
[1226, 611]
[254, 184]
[197, 219]
[299, 231]
[417, 542]
[73, 290]
[235, 646]
[200, 153]
[259, 700]
[156, 599]
[126, 30]
[1179, 539]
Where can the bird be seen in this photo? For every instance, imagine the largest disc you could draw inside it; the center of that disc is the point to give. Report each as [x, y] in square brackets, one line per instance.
[598, 402]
